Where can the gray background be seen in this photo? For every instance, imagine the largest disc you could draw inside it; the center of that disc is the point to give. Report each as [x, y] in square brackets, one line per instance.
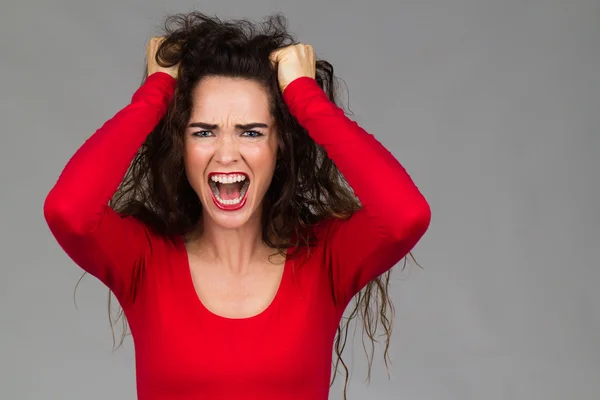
[492, 106]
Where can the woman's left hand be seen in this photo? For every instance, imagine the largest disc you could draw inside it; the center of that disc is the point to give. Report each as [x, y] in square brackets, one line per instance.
[294, 62]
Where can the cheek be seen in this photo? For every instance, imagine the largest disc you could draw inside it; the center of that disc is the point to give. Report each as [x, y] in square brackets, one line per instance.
[261, 159]
[195, 160]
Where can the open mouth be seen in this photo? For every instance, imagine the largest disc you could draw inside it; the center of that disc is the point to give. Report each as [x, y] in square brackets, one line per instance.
[229, 191]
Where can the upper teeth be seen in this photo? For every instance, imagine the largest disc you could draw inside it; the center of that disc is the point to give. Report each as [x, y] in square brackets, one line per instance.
[228, 178]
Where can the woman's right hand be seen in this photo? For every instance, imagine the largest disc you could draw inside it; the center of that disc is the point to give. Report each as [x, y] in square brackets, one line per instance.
[151, 56]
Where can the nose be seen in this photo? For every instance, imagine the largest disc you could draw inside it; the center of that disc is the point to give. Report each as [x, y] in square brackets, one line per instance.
[227, 152]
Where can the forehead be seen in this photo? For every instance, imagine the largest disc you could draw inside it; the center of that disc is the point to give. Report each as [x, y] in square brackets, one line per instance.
[216, 98]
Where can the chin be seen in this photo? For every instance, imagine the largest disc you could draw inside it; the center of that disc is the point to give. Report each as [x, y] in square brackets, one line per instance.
[228, 219]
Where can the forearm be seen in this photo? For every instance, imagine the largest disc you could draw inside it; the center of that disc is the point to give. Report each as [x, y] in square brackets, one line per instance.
[386, 191]
[95, 171]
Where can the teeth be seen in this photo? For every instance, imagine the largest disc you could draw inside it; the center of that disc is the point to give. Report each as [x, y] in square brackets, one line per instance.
[232, 202]
[228, 178]
[229, 202]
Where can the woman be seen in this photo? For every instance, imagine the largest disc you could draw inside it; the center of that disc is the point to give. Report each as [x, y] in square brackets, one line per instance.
[213, 208]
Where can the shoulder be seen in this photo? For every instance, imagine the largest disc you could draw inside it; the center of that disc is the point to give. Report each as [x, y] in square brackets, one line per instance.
[147, 239]
[325, 227]
[318, 235]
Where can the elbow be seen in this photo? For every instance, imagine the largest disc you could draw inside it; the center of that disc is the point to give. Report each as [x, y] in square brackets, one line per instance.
[55, 211]
[422, 219]
[410, 225]
[59, 213]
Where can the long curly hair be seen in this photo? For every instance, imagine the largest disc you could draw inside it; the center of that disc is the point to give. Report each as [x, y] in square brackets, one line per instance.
[306, 187]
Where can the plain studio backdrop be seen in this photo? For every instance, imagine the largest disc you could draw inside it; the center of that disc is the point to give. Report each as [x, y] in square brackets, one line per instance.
[492, 106]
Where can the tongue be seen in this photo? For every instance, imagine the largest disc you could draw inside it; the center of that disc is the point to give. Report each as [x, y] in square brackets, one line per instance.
[229, 191]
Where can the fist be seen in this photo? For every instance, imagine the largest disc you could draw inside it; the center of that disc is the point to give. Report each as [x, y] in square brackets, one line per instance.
[153, 66]
[293, 62]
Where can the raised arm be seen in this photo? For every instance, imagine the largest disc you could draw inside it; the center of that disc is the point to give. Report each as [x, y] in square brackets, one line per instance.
[107, 245]
[395, 215]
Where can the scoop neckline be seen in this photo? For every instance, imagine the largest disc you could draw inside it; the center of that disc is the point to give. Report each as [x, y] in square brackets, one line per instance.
[196, 301]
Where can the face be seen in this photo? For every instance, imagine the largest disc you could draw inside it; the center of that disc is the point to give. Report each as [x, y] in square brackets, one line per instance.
[230, 149]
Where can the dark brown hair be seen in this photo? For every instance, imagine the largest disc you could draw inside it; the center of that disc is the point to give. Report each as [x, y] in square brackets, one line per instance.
[306, 187]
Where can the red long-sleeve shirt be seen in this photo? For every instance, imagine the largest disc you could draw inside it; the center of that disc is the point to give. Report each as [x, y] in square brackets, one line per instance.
[182, 350]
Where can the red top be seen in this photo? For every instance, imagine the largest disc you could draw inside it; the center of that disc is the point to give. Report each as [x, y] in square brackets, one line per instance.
[182, 350]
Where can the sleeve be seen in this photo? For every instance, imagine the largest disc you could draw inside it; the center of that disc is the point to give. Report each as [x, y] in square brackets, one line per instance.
[394, 214]
[107, 245]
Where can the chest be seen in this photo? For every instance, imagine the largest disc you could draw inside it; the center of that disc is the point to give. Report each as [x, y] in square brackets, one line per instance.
[236, 295]
[205, 336]
[285, 349]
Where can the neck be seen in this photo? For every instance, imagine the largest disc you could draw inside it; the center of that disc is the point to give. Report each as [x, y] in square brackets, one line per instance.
[234, 249]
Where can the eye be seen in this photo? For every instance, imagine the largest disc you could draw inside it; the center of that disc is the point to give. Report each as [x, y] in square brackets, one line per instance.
[202, 133]
[252, 134]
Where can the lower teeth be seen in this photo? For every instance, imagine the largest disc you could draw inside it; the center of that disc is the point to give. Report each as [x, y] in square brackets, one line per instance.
[229, 202]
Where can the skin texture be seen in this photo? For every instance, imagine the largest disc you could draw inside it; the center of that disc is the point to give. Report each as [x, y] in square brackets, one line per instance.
[230, 265]
[231, 238]
[294, 62]
[153, 66]
[227, 103]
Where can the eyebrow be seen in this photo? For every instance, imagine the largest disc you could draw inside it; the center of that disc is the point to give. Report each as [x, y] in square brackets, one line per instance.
[245, 127]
